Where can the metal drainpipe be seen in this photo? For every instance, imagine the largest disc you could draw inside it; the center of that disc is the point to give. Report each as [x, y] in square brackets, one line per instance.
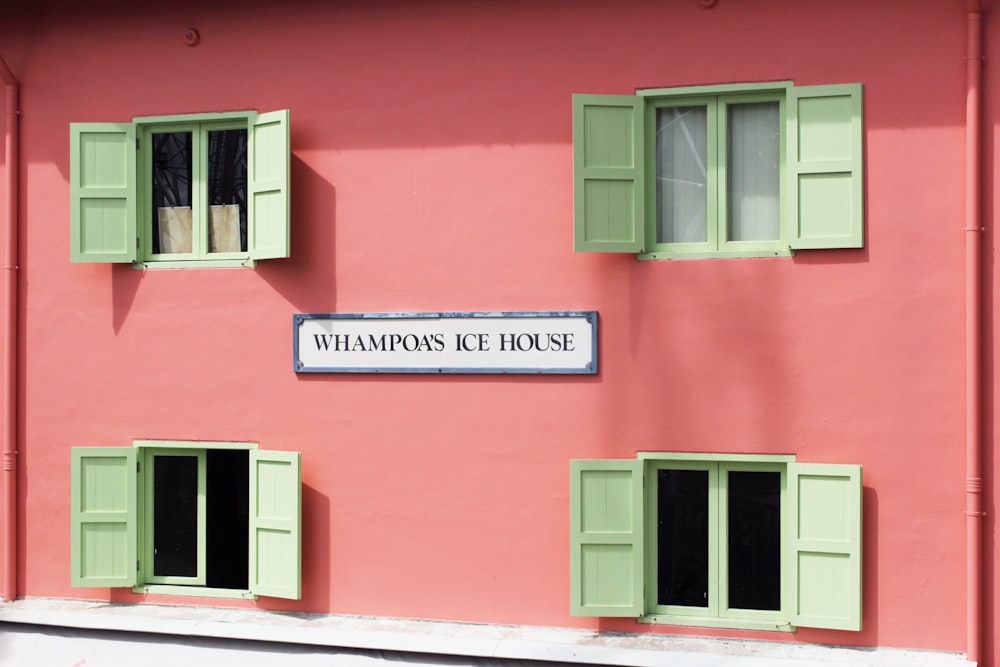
[973, 333]
[8, 235]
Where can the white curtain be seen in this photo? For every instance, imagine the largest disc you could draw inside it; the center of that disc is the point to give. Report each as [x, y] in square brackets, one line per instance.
[681, 175]
[753, 170]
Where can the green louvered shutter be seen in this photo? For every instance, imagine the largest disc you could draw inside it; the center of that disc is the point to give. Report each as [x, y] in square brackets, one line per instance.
[102, 192]
[275, 524]
[608, 184]
[270, 179]
[825, 558]
[825, 193]
[606, 540]
[103, 514]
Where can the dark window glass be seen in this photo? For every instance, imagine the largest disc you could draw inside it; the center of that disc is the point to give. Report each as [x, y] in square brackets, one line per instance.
[227, 190]
[172, 172]
[175, 516]
[682, 511]
[754, 540]
[227, 521]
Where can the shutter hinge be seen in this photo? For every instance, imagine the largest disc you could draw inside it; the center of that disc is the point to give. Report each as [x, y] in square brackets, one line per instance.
[136, 564]
[137, 143]
[138, 466]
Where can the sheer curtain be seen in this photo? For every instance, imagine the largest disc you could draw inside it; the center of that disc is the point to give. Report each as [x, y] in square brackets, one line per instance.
[752, 164]
[681, 175]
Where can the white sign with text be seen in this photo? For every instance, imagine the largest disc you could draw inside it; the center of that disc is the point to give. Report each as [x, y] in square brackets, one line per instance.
[523, 342]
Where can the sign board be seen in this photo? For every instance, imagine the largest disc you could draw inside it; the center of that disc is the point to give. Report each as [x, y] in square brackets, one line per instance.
[551, 342]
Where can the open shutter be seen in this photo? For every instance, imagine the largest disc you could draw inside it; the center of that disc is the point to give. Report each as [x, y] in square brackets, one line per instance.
[825, 558]
[826, 201]
[103, 514]
[270, 177]
[608, 184]
[102, 192]
[606, 561]
[275, 524]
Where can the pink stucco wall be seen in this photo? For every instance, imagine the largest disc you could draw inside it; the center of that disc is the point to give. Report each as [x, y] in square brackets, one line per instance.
[432, 171]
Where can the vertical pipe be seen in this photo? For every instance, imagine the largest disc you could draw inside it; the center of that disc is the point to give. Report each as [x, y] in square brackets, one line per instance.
[8, 436]
[973, 333]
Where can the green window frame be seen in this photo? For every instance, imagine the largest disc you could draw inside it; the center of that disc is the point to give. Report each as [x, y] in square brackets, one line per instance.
[820, 189]
[614, 528]
[113, 517]
[111, 172]
[717, 565]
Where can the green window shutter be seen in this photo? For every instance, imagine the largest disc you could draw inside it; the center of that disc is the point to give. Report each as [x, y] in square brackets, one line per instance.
[825, 193]
[269, 163]
[608, 182]
[102, 192]
[606, 538]
[825, 558]
[275, 524]
[103, 514]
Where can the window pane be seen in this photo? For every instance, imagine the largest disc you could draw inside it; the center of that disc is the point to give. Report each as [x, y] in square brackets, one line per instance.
[227, 521]
[682, 511]
[681, 175]
[171, 176]
[175, 516]
[752, 164]
[227, 190]
[754, 540]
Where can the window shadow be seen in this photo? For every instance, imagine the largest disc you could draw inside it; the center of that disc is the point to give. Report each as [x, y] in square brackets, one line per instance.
[307, 279]
[124, 285]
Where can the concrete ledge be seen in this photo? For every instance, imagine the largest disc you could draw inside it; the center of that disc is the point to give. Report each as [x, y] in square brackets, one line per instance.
[444, 638]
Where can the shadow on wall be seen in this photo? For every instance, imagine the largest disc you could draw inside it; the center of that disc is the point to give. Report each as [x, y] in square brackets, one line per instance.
[316, 566]
[307, 279]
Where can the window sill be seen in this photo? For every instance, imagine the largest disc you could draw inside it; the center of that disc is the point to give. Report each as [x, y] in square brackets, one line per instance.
[716, 622]
[722, 254]
[194, 591]
[195, 264]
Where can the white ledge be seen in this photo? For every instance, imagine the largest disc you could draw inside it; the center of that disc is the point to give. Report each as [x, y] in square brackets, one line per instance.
[460, 639]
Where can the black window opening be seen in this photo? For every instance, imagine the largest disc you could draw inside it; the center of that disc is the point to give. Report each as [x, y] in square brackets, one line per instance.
[749, 531]
[754, 540]
[176, 533]
[683, 537]
[175, 516]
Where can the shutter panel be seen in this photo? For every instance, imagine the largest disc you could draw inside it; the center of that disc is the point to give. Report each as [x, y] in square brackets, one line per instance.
[825, 558]
[606, 538]
[269, 162]
[102, 192]
[826, 200]
[275, 524]
[103, 514]
[608, 183]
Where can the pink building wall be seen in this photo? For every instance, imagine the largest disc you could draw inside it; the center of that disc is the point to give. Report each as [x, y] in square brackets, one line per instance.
[432, 171]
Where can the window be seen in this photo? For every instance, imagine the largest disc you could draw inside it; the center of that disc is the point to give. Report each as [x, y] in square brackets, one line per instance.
[748, 170]
[743, 541]
[188, 518]
[717, 551]
[174, 191]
